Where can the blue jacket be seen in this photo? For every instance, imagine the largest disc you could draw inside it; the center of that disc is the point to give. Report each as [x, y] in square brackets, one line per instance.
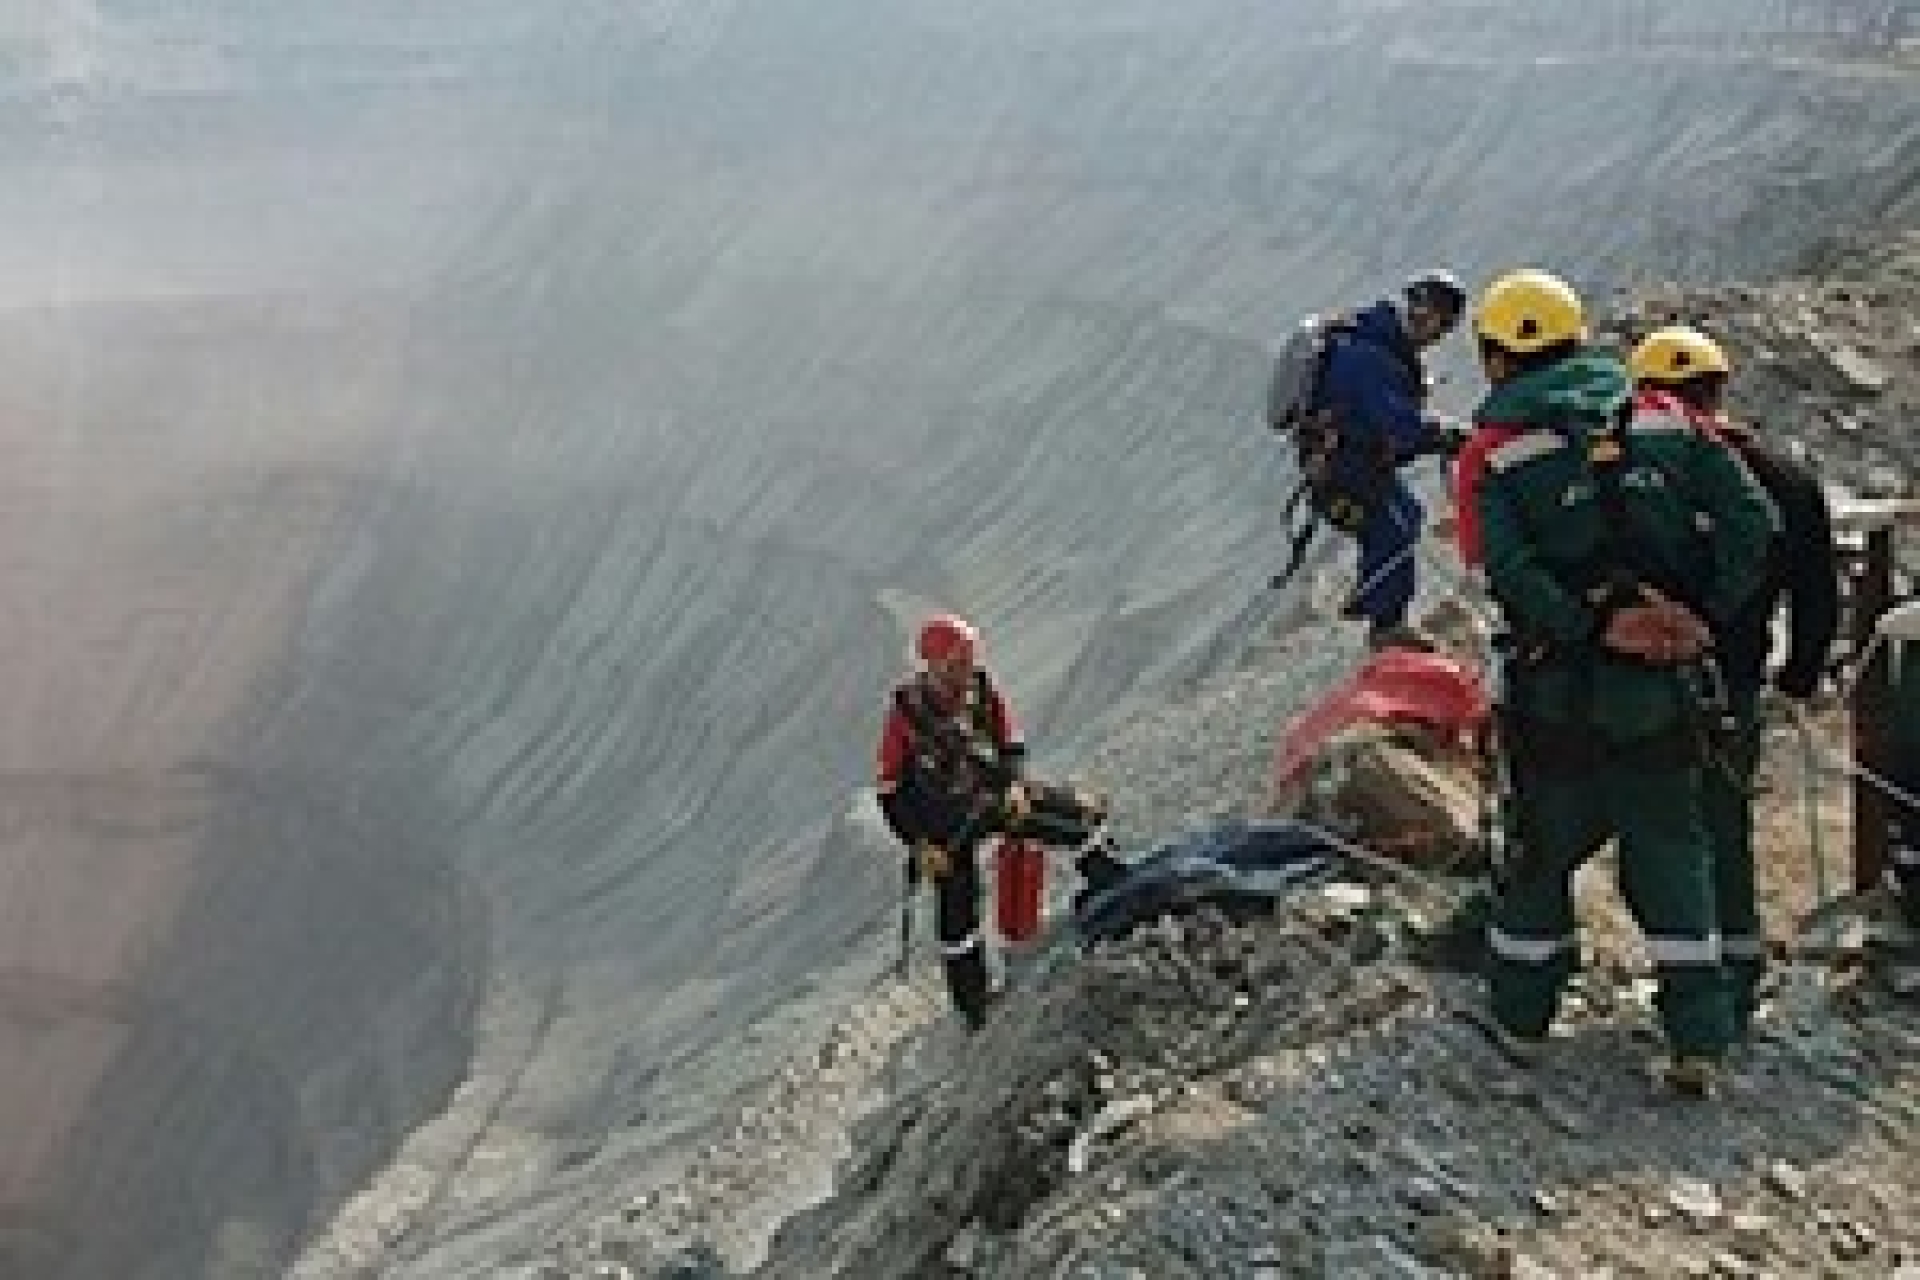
[1375, 383]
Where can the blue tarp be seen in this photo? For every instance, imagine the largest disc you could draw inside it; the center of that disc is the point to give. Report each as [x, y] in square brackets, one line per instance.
[1237, 862]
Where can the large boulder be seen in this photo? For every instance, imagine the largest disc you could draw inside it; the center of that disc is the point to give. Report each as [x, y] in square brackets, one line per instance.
[1400, 790]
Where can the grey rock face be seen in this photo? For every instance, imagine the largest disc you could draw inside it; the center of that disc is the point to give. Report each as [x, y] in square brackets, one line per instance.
[454, 566]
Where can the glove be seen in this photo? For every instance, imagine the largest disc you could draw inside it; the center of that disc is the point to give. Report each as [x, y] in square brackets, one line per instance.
[1656, 630]
[1019, 804]
[934, 861]
[1654, 634]
[1637, 631]
[1687, 636]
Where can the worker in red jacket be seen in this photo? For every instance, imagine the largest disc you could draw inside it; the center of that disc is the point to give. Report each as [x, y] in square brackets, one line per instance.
[951, 762]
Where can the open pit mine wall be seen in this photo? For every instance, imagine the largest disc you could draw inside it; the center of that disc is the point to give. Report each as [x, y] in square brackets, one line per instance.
[531, 673]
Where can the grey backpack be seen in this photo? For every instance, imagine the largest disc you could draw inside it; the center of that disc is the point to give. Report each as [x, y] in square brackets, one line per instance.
[1294, 390]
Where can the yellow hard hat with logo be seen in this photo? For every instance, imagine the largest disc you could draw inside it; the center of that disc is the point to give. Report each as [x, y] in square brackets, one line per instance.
[1530, 310]
[1676, 354]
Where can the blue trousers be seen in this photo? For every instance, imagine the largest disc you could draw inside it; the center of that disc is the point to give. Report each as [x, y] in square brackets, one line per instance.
[1388, 571]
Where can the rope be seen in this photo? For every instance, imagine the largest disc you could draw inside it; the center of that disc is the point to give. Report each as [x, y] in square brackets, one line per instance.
[1806, 996]
[1820, 1044]
[1809, 800]
[1839, 765]
[1821, 1047]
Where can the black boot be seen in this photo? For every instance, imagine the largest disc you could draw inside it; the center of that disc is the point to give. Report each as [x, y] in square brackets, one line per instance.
[1099, 868]
[1903, 848]
[969, 987]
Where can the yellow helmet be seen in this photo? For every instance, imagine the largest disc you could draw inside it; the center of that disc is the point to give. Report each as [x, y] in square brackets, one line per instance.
[1530, 310]
[1676, 354]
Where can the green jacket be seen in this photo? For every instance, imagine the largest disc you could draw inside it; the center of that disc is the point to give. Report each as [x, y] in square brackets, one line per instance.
[1692, 521]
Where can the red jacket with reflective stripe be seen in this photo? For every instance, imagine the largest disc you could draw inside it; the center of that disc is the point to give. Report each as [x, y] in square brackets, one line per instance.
[920, 795]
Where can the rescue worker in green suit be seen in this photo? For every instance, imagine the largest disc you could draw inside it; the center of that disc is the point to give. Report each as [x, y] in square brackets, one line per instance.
[1616, 536]
[1803, 575]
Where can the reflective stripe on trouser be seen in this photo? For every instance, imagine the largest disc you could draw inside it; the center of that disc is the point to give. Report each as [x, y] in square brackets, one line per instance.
[1665, 876]
[1387, 574]
[957, 903]
[1528, 950]
[1726, 802]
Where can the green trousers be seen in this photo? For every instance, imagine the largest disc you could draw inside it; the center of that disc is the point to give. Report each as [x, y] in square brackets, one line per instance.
[1727, 804]
[1666, 877]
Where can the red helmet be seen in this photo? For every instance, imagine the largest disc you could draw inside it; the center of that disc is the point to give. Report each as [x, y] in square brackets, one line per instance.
[946, 637]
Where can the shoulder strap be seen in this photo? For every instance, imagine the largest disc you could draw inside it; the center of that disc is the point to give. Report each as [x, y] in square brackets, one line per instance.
[953, 744]
[1333, 325]
[927, 724]
[983, 695]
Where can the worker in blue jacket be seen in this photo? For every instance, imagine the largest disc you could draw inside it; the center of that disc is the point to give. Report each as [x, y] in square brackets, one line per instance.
[1373, 392]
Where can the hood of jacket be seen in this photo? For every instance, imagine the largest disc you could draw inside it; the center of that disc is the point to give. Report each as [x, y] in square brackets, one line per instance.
[1591, 384]
[1382, 325]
